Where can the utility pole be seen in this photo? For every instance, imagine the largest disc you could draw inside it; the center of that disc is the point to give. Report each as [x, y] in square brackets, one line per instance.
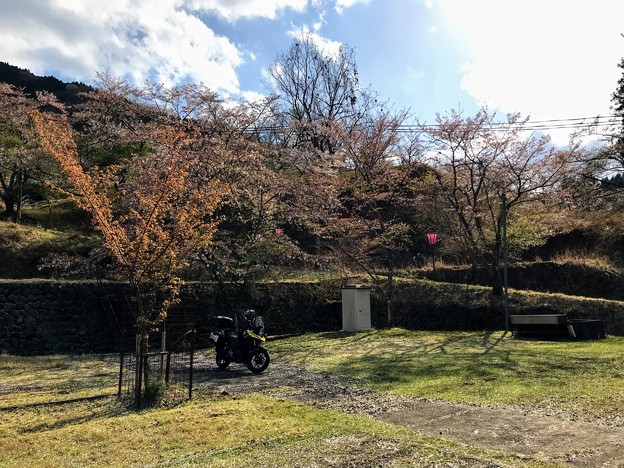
[505, 262]
[20, 194]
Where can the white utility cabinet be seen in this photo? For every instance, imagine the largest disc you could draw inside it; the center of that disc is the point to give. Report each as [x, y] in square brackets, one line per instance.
[356, 311]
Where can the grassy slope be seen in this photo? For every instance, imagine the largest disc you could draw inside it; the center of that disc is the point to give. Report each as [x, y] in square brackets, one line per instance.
[211, 430]
[23, 246]
[582, 377]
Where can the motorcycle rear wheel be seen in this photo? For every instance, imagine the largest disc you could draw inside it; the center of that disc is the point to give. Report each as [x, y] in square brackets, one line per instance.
[258, 360]
[223, 360]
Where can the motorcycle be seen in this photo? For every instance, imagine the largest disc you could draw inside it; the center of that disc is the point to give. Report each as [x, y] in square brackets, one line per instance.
[241, 346]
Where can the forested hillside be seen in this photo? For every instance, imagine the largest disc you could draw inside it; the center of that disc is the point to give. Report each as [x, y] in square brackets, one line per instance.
[30, 83]
[321, 176]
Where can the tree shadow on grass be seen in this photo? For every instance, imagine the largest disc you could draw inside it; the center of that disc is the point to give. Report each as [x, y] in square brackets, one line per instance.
[486, 341]
[386, 345]
[393, 363]
[356, 336]
[96, 410]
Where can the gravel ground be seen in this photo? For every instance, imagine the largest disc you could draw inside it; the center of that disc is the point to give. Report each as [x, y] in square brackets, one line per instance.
[543, 433]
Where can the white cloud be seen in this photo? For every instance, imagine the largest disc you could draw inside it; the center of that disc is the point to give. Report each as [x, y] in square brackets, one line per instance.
[136, 39]
[342, 4]
[319, 24]
[234, 9]
[252, 96]
[162, 40]
[327, 47]
[551, 59]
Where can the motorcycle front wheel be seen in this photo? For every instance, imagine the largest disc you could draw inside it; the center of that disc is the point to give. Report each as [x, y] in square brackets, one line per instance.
[258, 360]
[222, 359]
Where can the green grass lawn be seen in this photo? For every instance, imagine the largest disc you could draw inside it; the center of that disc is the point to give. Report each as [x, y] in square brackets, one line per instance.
[474, 367]
[211, 430]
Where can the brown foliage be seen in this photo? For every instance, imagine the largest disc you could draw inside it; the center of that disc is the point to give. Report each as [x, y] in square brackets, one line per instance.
[151, 222]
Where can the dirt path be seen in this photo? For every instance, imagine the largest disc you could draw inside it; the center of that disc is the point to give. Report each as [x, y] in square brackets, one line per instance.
[536, 433]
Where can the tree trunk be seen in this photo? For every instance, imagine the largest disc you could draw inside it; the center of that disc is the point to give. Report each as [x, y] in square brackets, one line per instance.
[9, 203]
[497, 283]
[390, 295]
[142, 343]
[8, 194]
[20, 194]
[497, 279]
[139, 370]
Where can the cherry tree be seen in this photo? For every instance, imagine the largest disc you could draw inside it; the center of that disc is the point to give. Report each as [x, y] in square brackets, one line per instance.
[151, 223]
[480, 165]
[374, 224]
[317, 87]
[232, 144]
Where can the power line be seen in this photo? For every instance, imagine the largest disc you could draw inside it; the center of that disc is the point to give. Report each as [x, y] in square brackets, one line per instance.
[531, 125]
[551, 124]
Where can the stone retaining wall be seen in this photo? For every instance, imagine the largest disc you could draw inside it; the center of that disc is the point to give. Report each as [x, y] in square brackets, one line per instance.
[44, 317]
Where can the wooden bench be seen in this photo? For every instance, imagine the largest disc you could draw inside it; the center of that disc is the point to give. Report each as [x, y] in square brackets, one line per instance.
[556, 326]
[540, 326]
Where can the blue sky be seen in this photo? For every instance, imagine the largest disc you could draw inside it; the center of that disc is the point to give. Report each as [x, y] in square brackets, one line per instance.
[547, 59]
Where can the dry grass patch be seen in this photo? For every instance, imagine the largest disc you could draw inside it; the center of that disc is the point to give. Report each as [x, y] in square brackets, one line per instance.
[22, 247]
[587, 259]
[215, 431]
[45, 379]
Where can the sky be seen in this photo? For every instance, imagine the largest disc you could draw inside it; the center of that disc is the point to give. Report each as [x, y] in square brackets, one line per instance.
[547, 59]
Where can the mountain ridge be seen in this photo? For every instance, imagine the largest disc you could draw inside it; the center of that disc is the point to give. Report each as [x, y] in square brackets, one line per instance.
[68, 93]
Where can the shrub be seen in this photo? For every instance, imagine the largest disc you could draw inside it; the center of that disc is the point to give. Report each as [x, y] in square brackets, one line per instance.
[154, 392]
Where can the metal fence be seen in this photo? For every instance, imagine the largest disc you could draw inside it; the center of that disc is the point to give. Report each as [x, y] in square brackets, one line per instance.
[159, 374]
[165, 368]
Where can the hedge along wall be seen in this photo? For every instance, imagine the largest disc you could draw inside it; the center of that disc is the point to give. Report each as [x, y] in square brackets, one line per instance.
[42, 317]
[426, 305]
[577, 280]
